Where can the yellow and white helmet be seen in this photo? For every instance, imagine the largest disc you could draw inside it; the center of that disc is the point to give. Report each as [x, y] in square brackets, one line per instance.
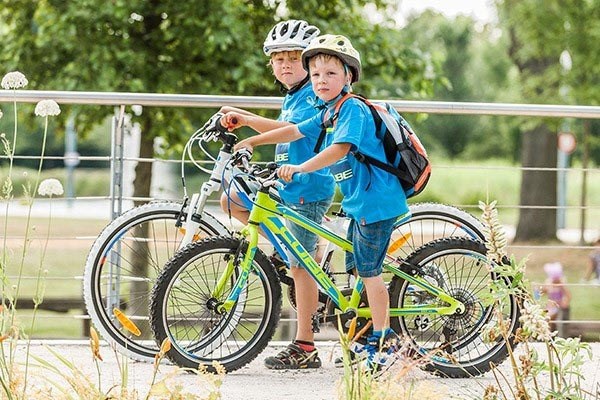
[335, 45]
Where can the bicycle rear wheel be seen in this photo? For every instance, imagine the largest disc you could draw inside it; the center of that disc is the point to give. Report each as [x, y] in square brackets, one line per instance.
[184, 306]
[123, 264]
[453, 344]
[430, 221]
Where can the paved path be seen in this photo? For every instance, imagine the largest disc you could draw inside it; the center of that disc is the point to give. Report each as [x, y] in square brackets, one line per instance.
[254, 382]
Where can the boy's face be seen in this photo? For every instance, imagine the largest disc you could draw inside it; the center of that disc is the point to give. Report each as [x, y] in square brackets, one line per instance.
[328, 76]
[287, 67]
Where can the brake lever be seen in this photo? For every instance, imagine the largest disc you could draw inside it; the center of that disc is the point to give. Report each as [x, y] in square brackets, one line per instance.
[242, 156]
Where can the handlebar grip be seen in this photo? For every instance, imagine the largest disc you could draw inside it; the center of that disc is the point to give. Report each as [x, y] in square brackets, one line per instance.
[300, 177]
[220, 126]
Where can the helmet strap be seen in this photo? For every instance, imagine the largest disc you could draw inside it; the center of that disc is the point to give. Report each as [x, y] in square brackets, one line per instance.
[293, 89]
[299, 85]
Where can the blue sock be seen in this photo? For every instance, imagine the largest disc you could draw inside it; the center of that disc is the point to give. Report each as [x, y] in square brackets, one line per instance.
[377, 334]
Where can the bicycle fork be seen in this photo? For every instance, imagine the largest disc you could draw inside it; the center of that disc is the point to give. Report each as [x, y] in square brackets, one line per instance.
[198, 201]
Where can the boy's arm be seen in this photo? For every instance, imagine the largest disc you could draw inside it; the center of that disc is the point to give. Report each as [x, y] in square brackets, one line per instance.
[324, 159]
[288, 133]
[235, 119]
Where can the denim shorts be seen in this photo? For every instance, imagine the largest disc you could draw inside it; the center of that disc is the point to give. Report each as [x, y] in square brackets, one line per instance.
[314, 211]
[370, 243]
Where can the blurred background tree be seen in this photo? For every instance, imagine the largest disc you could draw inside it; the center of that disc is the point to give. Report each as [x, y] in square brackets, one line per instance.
[542, 33]
[169, 46]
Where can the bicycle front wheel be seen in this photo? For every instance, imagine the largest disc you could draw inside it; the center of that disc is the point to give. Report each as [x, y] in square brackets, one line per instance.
[453, 345]
[123, 264]
[185, 301]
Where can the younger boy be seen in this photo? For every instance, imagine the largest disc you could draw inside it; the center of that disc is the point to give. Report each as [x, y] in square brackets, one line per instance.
[373, 198]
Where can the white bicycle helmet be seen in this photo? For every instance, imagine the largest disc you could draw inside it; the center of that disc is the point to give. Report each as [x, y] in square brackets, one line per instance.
[290, 35]
[335, 45]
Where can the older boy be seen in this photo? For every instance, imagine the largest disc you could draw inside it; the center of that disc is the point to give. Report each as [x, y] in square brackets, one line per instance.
[284, 44]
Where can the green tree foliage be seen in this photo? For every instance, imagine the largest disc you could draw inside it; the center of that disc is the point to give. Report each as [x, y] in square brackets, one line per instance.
[477, 68]
[172, 46]
[168, 46]
[540, 32]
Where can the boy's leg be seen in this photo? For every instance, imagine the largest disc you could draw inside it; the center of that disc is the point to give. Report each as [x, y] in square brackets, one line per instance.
[232, 205]
[302, 353]
[307, 300]
[379, 302]
[370, 243]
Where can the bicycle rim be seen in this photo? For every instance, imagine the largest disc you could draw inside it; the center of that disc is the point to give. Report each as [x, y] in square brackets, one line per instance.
[124, 264]
[183, 307]
[430, 221]
[454, 345]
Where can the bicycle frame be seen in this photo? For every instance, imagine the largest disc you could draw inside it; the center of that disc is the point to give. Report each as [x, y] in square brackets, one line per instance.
[225, 175]
[267, 211]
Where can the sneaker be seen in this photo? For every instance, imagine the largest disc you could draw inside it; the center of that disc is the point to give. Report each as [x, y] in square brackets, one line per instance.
[293, 357]
[356, 349]
[380, 354]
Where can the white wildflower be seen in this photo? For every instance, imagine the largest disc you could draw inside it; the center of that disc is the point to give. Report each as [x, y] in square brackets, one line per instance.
[495, 237]
[50, 187]
[47, 108]
[14, 80]
[1, 114]
[534, 321]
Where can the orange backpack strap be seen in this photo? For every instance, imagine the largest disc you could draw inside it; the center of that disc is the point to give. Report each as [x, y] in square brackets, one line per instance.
[329, 121]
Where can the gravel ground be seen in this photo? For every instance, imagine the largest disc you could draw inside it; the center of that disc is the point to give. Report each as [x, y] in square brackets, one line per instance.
[256, 382]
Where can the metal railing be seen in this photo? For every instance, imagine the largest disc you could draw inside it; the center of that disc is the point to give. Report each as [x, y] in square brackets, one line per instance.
[120, 100]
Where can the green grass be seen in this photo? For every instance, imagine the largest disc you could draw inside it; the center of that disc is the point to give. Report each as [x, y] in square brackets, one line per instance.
[87, 182]
[466, 183]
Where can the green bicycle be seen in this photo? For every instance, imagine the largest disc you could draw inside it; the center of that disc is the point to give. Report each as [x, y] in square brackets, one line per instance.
[219, 299]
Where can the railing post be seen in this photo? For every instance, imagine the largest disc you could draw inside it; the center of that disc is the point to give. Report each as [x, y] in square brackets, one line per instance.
[116, 164]
[116, 206]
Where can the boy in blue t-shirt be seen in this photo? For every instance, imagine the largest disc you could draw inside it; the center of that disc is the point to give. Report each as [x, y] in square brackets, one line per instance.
[284, 44]
[373, 198]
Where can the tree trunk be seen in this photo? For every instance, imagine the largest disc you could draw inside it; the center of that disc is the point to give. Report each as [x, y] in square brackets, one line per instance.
[538, 188]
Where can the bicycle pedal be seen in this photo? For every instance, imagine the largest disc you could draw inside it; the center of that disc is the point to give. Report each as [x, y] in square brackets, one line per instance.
[316, 328]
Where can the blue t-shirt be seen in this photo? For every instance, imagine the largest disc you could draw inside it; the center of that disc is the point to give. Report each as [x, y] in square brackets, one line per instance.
[370, 194]
[296, 108]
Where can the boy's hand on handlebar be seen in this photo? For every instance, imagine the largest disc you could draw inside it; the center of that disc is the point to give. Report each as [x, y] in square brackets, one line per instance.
[233, 120]
[244, 144]
[287, 171]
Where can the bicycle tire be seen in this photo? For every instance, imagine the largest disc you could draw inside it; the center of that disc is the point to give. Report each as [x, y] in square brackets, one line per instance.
[430, 221]
[110, 281]
[452, 345]
[183, 307]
